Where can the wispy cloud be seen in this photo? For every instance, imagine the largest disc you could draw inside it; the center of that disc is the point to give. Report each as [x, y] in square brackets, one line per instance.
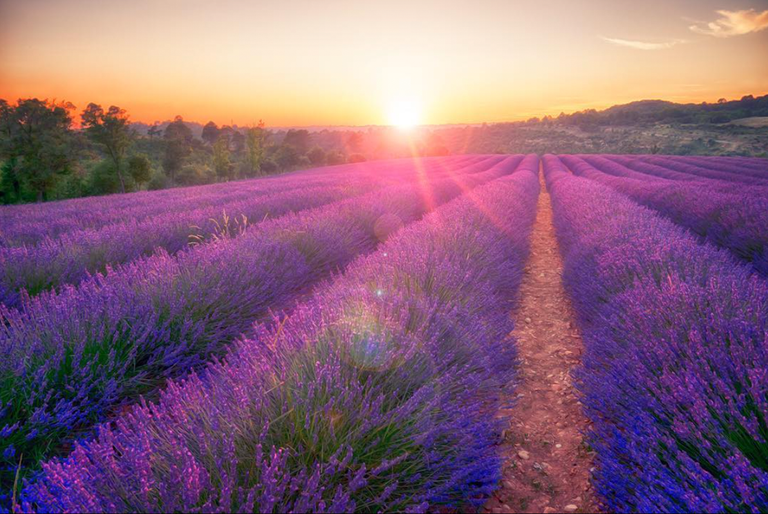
[643, 45]
[733, 23]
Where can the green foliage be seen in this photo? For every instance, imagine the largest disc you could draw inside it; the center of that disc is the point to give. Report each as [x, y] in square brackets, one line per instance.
[36, 142]
[298, 139]
[222, 163]
[103, 179]
[269, 167]
[211, 133]
[11, 190]
[195, 174]
[178, 146]
[71, 185]
[158, 181]
[110, 130]
[154, 131]
[140, 168]
[316, 156]
[286, 157]
[334, 157]
[255, 144]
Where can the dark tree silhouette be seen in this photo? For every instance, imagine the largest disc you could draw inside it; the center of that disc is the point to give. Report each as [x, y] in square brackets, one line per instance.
[109, 129]
[36, 141]
[211, 133]
[178, 145]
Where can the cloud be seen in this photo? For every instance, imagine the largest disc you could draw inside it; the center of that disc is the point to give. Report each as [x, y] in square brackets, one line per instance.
[733, 23]
[643, 45]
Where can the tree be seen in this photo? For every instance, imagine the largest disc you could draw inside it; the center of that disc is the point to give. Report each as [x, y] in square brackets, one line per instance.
[140, 168]
[334, 157]
[111, 130]
[177, 129]
[211, 133]
[102, 178]
[255, 145]
[35, 140]
[235, 138]
[154, 131]
[178, 146]
[316, 156]
[222, 164]
[354, 142]
[299, 139]
[286, 157]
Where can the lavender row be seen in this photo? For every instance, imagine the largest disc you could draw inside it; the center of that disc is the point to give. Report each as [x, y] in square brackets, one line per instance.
[377, 394]
[674, 373]
[738, 222]
[27, 225]
[73, 256]
[753, 167]
[72, 357]
[28, 270]
[703, 172]
[31, 224]
[634, 168]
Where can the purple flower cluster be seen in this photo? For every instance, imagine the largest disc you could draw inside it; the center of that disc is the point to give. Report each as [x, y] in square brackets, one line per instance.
[74, 356]
[375, 394]
[735, 218]
[675, 370]
[753, 167]
[711, 172]
[29, 224]
[73, 255]
[29, 270]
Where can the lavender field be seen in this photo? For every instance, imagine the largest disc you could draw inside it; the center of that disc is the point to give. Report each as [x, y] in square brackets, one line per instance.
[362, 337]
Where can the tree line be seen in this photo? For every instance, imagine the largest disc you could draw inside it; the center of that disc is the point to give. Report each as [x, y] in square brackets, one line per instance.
[49, 151]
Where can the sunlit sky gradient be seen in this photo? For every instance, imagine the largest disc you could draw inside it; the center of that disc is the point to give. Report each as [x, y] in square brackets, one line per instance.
[345, 62]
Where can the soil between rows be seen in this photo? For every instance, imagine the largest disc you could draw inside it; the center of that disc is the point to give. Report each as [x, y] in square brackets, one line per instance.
[547, 463]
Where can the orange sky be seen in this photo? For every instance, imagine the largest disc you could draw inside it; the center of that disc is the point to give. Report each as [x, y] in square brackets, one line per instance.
[334, 62]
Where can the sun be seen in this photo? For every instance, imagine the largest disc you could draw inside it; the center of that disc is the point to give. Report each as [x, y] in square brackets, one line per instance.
[404, 114]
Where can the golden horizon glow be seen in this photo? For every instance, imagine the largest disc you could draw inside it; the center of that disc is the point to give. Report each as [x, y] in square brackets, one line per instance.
[404, 113]
[345, 63]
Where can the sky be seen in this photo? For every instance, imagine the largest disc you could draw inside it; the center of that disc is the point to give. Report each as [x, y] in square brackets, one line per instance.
[361, 62]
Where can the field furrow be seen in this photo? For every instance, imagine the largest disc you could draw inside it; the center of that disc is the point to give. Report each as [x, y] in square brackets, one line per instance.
[547, 462]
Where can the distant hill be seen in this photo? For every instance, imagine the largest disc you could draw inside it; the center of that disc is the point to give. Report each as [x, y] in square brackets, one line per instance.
[661, 111]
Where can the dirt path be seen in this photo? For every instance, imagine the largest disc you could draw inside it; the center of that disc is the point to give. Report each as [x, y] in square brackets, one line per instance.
[547, 464]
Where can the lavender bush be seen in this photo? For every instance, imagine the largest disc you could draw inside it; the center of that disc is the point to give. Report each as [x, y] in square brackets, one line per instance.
[73, 357]
[28, 270]
[737, 221]
[704, 172]
[30, 224]
[753, 167]
[375, 394]
[674, 371]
